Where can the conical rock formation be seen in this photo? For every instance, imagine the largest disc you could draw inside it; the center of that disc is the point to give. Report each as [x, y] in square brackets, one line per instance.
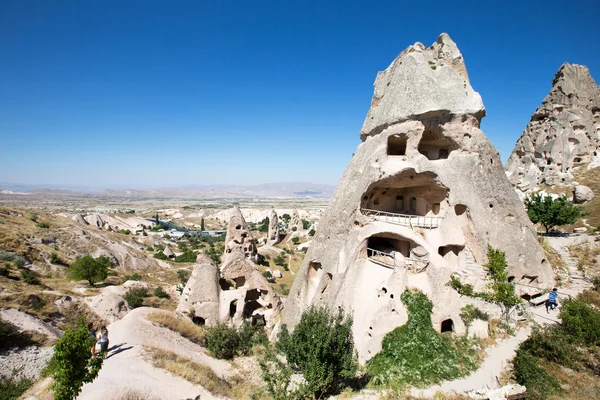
[238, 237]
[563, 132]
[273, 234]
[422, 198]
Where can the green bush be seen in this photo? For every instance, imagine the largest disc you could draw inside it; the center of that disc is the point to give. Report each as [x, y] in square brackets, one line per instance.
[125, 231]
[268, 276]
[581, 321]
[322, 347]
[469, 313]
[553, 344]
[29, 277]
[12, 389]
[225, 342]
[596, 283]
[160, 255]
[135, 297]
[43, 225]
[6, 256]
[160, 293]
[295, 240]
[72, 363]
[149, 249]
[133, 277]
[91, 269]
[183, 276]
[188, 256]
[312, 232]
[528, 372]
[54, 259]
[19, 261]
[280, 260]
[305, 224]
[33, 217]
[416, 354]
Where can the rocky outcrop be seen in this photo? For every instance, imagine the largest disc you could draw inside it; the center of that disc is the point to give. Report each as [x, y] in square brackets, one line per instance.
[296, 222]
[422, 198]
[236, 293]
[273, 235]
[562, 133]
[582, 194]
[238, 237]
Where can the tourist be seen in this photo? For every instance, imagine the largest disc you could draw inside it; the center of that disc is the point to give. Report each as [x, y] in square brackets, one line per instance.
[103, 341]
[551, 304]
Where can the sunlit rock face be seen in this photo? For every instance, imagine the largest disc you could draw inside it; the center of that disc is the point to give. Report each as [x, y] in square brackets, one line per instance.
[422, 198]
[564, 133]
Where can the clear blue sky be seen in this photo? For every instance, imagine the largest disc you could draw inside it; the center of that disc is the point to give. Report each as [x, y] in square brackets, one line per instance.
[138, 93]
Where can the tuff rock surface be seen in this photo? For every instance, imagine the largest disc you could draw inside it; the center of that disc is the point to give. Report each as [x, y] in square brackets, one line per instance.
[235, 293]
[422, 198]
[582, 194]
[562, 134]
[238, 237]
[273, 234]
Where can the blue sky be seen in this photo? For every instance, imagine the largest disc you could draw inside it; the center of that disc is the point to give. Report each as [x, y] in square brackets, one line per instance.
[157, 93]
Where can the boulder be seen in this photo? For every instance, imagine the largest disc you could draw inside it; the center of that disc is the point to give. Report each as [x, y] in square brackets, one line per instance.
[422, 198]
[479, 329]
[582, 194]
[200, 297]
[561, 134]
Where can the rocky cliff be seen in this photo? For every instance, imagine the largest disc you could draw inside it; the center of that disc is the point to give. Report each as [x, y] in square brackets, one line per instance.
[563, 132]
[422, 198]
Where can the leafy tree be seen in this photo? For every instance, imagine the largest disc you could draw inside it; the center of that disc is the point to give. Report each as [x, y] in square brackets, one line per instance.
[286, 217]
[312, 232]
[91, 269]
[264, 225]
[322, 346]
[135, 297]
[501, 291]
[160, 293]
[202, 224]
[188, 256]
[295, 240]
[183, 276]
[160, 255]
[156, 221]
[552, 212]
[72, 364]
[469, 313]
[305, 224]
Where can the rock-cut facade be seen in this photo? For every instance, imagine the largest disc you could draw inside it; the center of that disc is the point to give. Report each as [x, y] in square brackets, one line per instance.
[422, 198]
[563, 133]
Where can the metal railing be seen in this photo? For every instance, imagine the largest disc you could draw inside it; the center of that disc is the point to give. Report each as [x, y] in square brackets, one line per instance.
[413, 221]
[388, 260]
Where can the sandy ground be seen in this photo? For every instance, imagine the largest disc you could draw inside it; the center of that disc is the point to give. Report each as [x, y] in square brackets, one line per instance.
[127, 368]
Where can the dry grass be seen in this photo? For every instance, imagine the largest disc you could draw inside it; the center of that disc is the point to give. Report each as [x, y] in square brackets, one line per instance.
[591, 179]
[185, 328]
[135, 395]
[586, 254]
[552, 255]
[201, 375]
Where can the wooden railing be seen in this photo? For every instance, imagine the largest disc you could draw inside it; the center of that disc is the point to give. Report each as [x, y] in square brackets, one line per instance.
[388, 260]
[413, 221]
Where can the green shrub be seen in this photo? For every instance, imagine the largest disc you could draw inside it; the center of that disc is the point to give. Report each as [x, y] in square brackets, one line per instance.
[160, 293]
[149, 249]
[418, 355]
[469, 313]
[12, 389]
[280, 260]
[581, 321]
[133, 277]
[6, 256]
[19, 261]
[183, 276]
[43, 225]
[322, 347]
[268, 276]
[160, 255]
[528, 372]
[225, 342]
[135, 297]
[188, 256]
[553, 344]
[91, 269]
[222, 341]
[312, 232]
[295, 240]
[125, 231]
[294, 229]
[72, 363]
[33, 217]
[596, 282]
[305, 224]
[29, 277]
[54, 259]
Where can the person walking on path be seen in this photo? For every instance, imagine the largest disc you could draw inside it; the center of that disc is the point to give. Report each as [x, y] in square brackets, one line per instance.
[103, 341]
[551, 304]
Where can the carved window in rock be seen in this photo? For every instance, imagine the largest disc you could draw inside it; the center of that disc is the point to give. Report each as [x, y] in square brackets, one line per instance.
[434, 145]
[399, 203]
[396, 145]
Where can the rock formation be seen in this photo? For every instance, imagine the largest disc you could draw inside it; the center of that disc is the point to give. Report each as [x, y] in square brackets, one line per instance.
[296, 222]
[563, 132]
[582, 194]
[236, 293]
[273, 235]
[239, 238]
[422, 198]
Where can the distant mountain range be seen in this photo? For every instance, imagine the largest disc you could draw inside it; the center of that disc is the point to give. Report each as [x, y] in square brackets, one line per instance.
[283, 190]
